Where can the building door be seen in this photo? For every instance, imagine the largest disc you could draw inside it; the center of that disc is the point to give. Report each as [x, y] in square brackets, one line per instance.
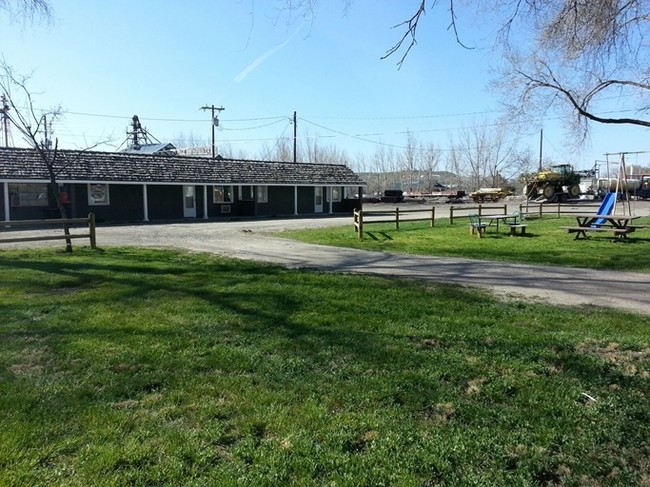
[318, 199]
[189, 202]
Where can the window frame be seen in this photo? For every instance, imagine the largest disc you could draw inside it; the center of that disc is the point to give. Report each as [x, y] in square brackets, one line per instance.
[262, 194]
[18, 193]
[226, 190]
[251, 193]
[349, 192]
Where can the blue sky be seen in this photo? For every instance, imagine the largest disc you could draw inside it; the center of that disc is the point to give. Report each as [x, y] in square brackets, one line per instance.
[103, 62]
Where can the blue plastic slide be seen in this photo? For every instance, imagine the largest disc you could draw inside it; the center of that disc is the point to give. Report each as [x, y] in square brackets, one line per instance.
[606, 208]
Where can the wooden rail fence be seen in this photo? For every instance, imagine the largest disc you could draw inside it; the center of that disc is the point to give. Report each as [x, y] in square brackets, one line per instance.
[557, 209]
[478, 209]
[363, 217]
[360, 218]
[37, 224]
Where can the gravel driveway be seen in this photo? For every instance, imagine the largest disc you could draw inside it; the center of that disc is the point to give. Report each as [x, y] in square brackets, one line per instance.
[247, 240]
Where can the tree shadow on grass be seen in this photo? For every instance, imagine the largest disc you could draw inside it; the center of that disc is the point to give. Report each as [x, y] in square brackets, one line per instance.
[258, 299]
[296, 313]
[376, 235]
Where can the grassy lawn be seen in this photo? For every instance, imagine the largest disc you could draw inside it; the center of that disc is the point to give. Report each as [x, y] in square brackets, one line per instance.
[544, 243]
[148, 367]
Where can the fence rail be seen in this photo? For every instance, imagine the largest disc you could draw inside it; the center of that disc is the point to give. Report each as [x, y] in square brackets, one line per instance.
[557, 209]
[363, 217]
[89, 221]
[478, 209]
[360, 218]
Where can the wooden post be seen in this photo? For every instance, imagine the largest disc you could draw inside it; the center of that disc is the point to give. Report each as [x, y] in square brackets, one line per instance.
[397, 218]
[451, 215]
[91, 227]
[360, 224]
[433, 215]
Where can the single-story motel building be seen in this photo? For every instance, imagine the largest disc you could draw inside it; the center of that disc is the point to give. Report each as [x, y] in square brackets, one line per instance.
[128, 187]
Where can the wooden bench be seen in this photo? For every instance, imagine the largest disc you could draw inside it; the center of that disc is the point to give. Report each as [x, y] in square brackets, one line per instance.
[514, 227]
[618, 232]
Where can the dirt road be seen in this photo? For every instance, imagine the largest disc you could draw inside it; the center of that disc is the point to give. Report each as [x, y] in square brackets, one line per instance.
[250, 240]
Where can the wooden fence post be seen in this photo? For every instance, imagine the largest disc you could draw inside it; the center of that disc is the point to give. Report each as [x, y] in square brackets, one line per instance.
[91, 228]
[451, 215]
[433, 215]
[360, 224]
[397, 218]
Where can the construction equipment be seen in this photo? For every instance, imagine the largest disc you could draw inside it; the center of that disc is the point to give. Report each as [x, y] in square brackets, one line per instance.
[625, 187]
[559, 183]
[643, 192]
[393, 196]
[490, 194]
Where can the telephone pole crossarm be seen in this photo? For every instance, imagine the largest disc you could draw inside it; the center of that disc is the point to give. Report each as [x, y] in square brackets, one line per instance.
[215, 123]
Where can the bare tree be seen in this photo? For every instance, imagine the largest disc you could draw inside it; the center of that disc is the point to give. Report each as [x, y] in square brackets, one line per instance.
[282, 150]
[485, 154]
[572, 55]
[454, 165]
[429, 160]
[382, 170]
[27, 9]
[410, 161]
[327, 154]
[30, 123]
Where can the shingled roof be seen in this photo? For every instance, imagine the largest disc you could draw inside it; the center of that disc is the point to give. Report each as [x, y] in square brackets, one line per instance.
[118, 167]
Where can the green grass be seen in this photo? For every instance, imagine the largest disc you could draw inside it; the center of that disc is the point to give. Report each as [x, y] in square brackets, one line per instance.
[544, 243]
[147, 367]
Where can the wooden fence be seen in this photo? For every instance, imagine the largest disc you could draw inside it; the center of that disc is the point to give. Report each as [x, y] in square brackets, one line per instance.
[38, 224]
[361, 215]
[478, 209]
[556, 209]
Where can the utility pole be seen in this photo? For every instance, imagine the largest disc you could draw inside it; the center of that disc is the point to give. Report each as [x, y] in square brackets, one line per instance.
[47, 143]
[295, 135]
[541, 144]
[215, 123]
[4, 111]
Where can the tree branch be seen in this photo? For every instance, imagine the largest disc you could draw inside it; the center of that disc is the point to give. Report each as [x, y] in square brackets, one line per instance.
[581, 106]
[412, 25]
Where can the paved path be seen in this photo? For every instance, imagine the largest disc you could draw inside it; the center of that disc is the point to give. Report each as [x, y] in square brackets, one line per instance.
[247, 240]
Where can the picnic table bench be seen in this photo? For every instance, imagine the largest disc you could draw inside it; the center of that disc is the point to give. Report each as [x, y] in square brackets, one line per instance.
[515, 226]
[479, 223]
[590, 222]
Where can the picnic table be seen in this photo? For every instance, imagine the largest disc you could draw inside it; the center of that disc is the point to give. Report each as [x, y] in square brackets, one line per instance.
[594, 222]
[513, 220]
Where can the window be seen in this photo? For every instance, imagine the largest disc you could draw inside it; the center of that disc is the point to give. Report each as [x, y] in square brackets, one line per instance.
[222, 194]
[262, 194]
[351, 192]
[246, 193]
[336, 193]
[28, 194]
[98, 195]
